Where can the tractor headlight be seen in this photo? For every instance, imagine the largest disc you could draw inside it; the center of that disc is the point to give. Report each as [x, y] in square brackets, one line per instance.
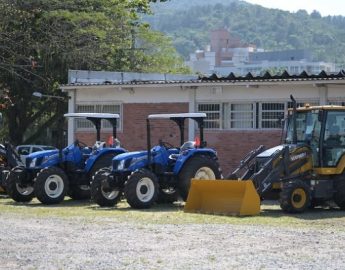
[121, 165]
[33, 163]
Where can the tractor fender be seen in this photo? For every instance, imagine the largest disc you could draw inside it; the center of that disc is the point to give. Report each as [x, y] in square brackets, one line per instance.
[90, 162]
[184, 157]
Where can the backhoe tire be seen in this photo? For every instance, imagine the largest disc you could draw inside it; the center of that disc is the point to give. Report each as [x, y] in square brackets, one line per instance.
[51, 185]
[339, 196]
[101, 192]
[198, 167]
[295, 197]
[16, 187]
[141, 189]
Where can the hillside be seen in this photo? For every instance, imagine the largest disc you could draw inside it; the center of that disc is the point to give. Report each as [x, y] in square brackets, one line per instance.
[272, 29]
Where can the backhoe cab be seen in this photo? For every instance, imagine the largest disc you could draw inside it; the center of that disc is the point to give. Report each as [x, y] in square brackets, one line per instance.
[304, 172]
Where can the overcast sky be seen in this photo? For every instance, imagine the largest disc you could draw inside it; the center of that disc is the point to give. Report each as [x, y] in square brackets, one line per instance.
[325, 7]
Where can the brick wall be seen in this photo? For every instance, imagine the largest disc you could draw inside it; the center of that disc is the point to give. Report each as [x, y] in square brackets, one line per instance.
[231, 146]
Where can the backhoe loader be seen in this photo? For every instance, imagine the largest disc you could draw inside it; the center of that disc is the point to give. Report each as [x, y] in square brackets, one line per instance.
[307, 170]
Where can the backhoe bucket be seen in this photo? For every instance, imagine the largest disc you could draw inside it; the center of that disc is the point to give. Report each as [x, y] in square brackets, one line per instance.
[225, 197]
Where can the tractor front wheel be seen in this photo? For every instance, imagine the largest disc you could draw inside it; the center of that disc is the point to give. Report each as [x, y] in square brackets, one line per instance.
[17, 187]
[101, 192]
[295, 197]
[141, 189]
[198, 167]
[51, 185]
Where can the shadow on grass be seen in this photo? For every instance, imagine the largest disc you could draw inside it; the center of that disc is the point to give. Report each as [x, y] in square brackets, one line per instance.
[310, 214]
[126, 208]
[65, 203]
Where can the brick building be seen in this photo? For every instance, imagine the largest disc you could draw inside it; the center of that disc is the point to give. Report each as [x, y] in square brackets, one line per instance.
[243, 112]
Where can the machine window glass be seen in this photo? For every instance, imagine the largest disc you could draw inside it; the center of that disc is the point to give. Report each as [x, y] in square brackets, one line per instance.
[334, 139]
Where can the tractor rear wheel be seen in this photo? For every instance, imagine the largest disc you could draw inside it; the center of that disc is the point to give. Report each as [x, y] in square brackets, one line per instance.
[51, 185]
[295, 197]
[198, 167]
[339, 196]
[16, 186]
[141, 189]
[101, 192]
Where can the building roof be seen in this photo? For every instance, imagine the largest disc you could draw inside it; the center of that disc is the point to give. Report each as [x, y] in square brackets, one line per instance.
[231, 78]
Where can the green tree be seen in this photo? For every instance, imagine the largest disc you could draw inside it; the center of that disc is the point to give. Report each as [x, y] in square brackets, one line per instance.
[41, 40]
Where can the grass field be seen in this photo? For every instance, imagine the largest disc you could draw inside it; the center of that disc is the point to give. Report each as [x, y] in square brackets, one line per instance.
[271, 214]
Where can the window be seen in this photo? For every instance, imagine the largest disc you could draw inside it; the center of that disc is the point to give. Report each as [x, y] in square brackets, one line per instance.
[240, 115]
[339, 102]
[271, 114]
[97, 108]
[250, 115]
[213, 112]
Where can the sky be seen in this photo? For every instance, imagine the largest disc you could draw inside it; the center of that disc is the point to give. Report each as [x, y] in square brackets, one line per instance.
[325, 7]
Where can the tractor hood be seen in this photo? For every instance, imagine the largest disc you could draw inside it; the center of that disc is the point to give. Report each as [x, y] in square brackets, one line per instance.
[292, 147]
[269, 152]
[41, 154]
[37, 158]
[126, 161]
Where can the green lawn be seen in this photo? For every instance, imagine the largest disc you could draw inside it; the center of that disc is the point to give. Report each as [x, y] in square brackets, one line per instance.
[171, 214]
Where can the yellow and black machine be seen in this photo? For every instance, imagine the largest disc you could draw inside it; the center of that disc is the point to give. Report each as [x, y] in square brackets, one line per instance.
[304, 172]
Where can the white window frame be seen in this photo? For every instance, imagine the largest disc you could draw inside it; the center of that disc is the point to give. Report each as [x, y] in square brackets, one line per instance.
[212, 120]
[257, 112]
[229, 120]
[262, 111]
[104, 127]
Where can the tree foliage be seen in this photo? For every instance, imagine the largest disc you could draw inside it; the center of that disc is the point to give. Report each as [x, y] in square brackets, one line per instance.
[40, 40]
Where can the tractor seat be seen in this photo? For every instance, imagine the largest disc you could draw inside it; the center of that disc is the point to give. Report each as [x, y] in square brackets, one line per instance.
[185, 146]
[98, 145]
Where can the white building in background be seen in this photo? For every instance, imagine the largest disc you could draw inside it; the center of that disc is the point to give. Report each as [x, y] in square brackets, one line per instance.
[227, 54]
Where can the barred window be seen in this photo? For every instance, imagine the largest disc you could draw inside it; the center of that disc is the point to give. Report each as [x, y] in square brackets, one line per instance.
[250, 115]
[271, 113]
[97, 108]
[213, 112]
[339, 102]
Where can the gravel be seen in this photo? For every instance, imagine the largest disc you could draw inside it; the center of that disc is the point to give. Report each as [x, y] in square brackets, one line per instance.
[106, 243]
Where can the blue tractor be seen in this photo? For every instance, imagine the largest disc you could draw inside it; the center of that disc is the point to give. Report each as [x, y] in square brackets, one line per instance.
[50, 175]
[160, 173]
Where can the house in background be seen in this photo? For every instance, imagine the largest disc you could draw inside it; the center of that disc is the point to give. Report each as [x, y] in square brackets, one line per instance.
[242, 112]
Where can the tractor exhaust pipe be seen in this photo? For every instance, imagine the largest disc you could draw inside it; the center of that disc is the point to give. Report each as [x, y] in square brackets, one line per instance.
[294, 121]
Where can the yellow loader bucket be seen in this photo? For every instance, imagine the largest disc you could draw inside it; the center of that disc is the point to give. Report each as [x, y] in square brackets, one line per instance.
[225, 197]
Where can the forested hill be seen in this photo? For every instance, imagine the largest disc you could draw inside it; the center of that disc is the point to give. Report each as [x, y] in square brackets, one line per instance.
[190, 22]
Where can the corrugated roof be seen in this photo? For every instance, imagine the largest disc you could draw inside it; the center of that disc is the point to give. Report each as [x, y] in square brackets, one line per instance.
[231, 78]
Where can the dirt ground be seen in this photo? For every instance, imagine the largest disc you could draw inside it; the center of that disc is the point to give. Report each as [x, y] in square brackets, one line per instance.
[83, 237]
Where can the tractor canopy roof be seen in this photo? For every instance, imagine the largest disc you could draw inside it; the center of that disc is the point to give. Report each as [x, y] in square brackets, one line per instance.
[176, 115]
[93, 115]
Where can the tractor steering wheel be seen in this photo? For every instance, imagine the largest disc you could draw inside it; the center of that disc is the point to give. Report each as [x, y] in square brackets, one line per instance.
[80, 144]
[166, 144]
